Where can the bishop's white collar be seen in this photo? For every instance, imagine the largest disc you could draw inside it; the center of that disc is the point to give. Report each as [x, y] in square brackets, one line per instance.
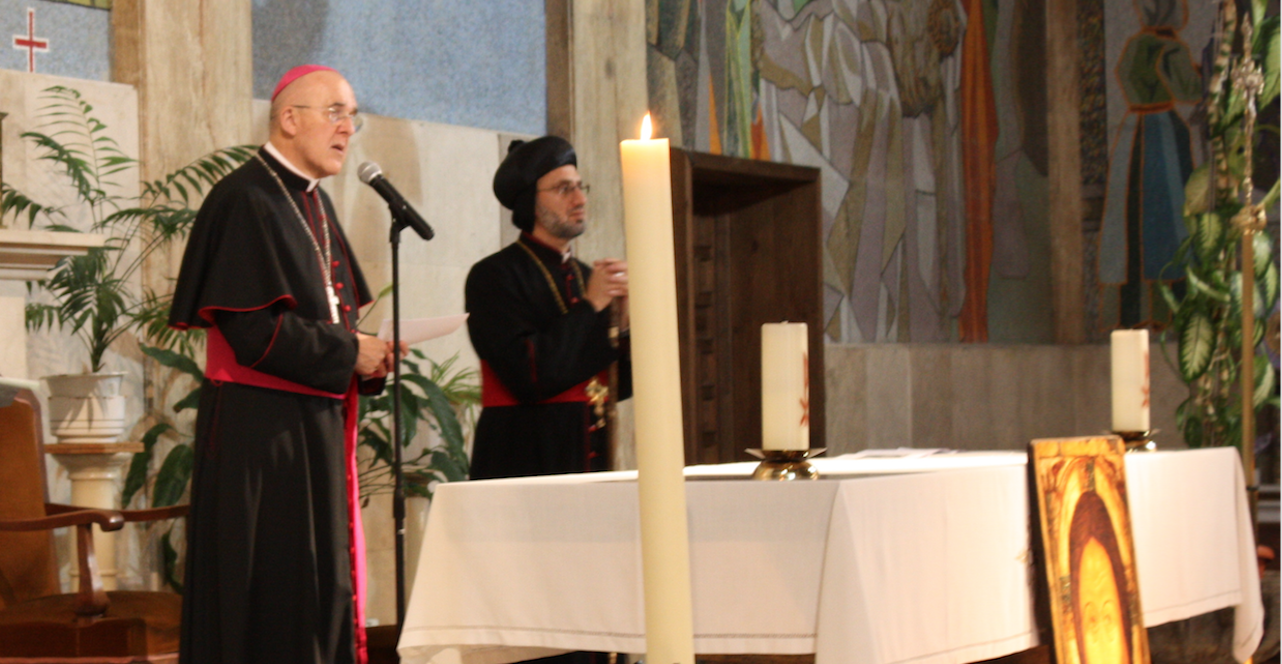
[271, 150]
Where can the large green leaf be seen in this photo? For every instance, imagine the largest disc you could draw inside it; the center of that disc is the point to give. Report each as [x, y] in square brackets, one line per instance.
[1169, 297]
[451, 466]
[1235, 297]
[441, 408]
[1269, 287]
[171, 481]
[1209, 235]
[1197, 338]
[1270, 199]
[1264, 379]
[1189, 422]
[1262, 250]
[170, 561]
[1266, 53]
[141, 461]
[1199, 284]
[192, 400]
[1197, 192]
[174, 360]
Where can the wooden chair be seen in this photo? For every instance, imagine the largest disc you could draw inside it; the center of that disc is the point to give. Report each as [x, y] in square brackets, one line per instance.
[37, 623]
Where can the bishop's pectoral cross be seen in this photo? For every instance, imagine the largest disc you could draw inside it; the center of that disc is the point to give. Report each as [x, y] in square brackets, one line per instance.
[333, 302]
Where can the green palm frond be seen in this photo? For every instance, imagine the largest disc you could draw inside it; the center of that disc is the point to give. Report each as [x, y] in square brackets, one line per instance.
[71, 162]
[194, 178]
[152, 315]
[69, 120]
[16, 203]
[41, 316]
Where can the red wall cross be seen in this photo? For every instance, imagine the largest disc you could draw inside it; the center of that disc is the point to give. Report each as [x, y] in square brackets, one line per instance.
[30, 42]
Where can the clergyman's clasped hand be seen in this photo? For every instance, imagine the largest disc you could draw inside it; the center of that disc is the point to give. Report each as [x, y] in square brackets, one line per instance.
[609, 280]
[374, 358]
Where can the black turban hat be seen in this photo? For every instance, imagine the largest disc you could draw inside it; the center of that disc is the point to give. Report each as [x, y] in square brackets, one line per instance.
[526, 162]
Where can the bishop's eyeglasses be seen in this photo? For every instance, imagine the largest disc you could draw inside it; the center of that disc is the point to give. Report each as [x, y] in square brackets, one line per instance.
[336, 114]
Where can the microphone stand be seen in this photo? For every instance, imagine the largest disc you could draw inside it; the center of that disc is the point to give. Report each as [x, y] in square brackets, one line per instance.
[398, 491]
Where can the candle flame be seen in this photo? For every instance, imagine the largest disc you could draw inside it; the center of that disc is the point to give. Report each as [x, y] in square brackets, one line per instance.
[645, 128]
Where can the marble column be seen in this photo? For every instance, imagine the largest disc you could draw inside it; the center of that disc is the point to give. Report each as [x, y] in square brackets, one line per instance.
[1066, 209]
[192, 64]
[596, 87]
[94, 470]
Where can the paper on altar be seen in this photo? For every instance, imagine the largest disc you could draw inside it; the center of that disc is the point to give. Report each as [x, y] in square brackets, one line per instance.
[422, 329]
[896, 453]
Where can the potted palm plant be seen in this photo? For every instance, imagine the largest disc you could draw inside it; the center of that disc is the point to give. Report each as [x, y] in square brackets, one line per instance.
[95, 297]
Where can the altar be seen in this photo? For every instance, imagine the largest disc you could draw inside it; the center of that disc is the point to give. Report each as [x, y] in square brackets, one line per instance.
[917, 558]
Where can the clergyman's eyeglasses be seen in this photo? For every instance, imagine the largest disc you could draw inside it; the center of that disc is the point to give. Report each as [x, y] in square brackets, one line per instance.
[566, 188]
[336, 114]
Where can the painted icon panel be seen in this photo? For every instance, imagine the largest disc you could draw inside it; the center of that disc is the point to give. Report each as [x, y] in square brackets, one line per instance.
[1087, 552]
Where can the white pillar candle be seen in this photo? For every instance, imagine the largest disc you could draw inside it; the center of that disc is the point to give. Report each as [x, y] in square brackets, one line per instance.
[656, 382]
[1130, 380]
[785, 387]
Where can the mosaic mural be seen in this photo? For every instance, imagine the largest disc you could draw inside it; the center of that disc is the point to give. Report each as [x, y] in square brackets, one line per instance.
[1156, 51]
[475, 64]
[96, 4]
[896, 102]
[927, 119]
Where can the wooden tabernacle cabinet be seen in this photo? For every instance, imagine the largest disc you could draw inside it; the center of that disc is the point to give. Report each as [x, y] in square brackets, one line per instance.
[749, 248]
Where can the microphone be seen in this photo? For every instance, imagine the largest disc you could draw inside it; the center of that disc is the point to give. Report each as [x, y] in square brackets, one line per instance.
[372, 175]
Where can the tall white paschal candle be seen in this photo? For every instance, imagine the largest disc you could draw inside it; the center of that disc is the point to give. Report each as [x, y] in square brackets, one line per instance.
[785, 387]
[656, 389]
[1130, 380]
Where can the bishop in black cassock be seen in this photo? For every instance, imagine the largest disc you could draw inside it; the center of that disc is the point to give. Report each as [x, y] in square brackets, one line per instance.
[275, 567]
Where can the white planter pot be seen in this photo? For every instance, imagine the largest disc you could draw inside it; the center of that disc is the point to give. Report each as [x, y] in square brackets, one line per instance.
[86, 408]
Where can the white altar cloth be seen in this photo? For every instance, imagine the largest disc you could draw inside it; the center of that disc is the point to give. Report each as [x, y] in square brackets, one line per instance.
[887, 561]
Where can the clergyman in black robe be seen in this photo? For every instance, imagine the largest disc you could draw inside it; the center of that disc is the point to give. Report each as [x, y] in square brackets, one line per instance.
[275, 551]
[540, 323]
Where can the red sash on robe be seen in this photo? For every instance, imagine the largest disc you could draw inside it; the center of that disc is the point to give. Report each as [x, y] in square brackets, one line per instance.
[495, 393]
[221, 366]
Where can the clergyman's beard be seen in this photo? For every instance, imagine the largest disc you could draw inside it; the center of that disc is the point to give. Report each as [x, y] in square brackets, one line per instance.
[557, 225]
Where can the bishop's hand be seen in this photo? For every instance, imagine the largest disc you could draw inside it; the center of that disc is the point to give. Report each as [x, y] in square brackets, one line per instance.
[373, 356]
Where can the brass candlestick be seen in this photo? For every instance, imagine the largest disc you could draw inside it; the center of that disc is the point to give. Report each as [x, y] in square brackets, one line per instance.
[1138, 441]
[785, 465]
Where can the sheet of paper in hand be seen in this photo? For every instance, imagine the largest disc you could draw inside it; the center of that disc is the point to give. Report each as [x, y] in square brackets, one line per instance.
[422, 329]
